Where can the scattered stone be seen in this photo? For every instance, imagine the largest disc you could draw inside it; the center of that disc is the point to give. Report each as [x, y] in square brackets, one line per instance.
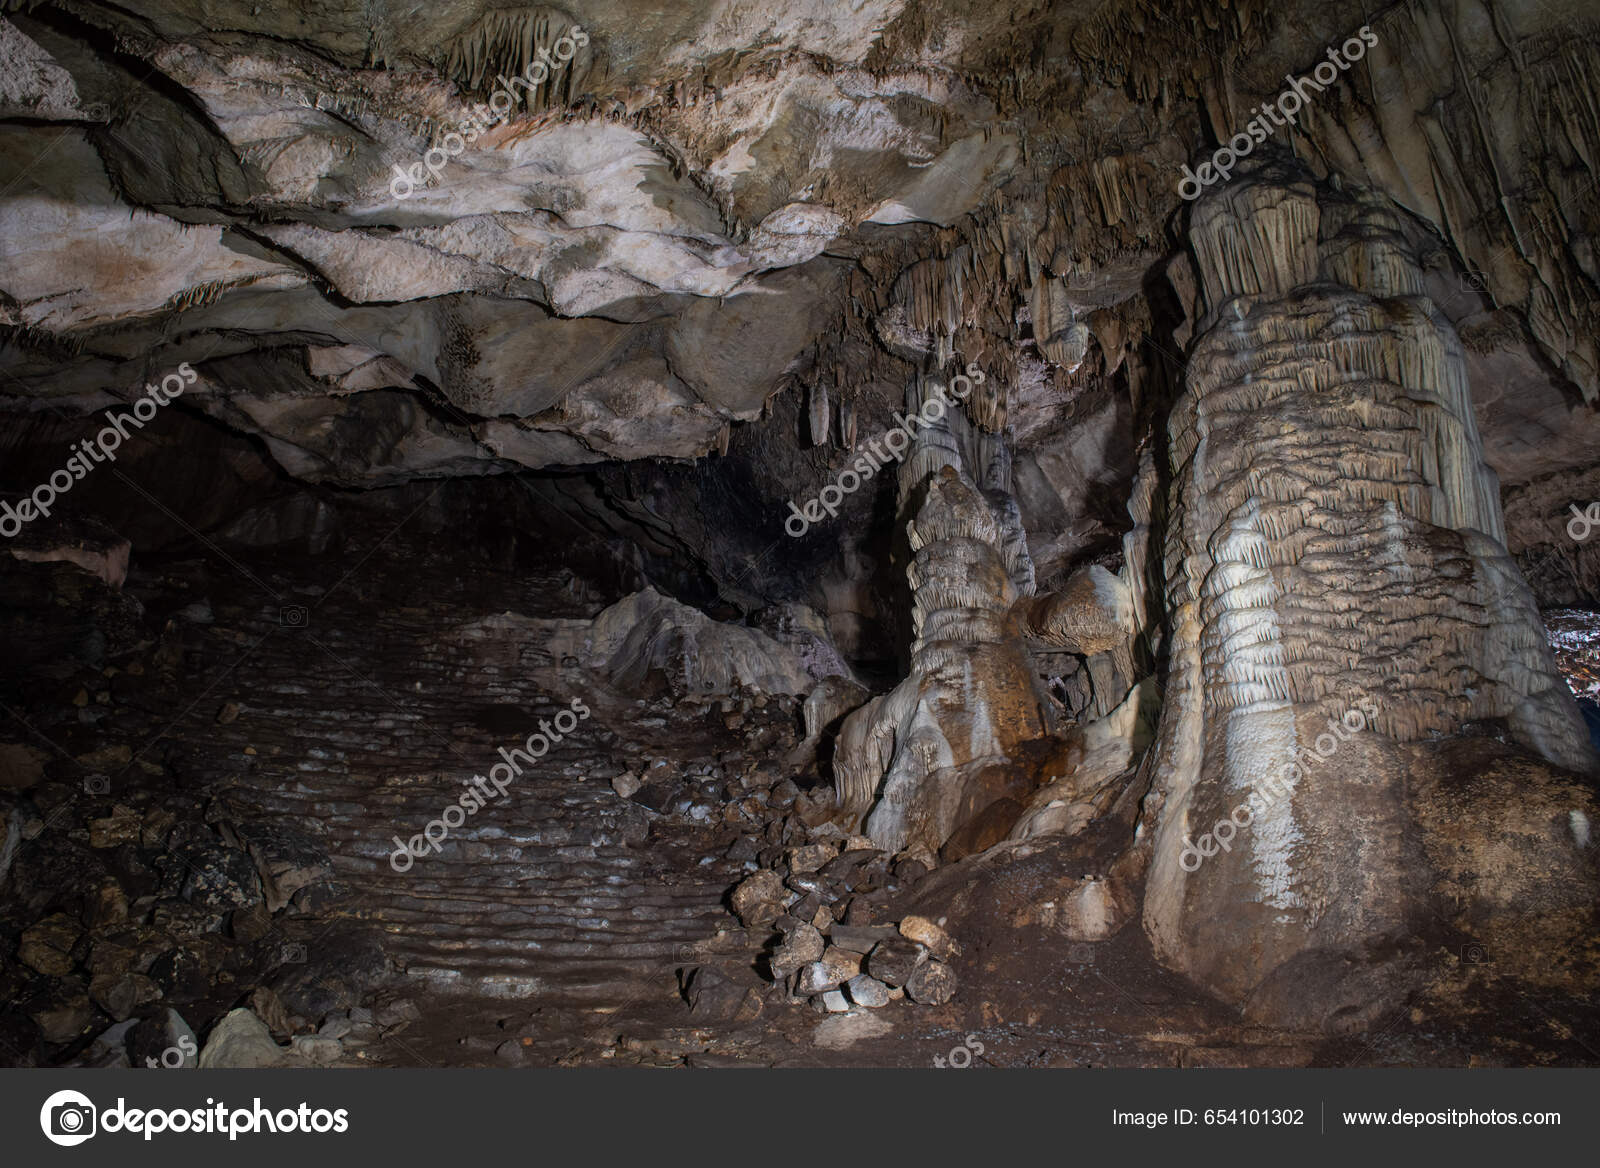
[909, 871]
[929, 935]
[317, 1048]
[834, 1002]
[714, 996]
[242, 1040]
[806, 907]
[758, 900]
[803, 946]
[122, 826]
[47, 946]
[894, 961]
[13, 818]
[809, 857]
[866, 990]
[932, 984]
[285, 860]
[271, 1010]
[67, 1016]
[341, 968]
[814, 808]
[808, 885]
[762, 775]
[396, 1014]
[106, 907]
[228, 714]
[835, 967]
[627, 785]
[180, 919]
[124, 952]
[182, 975]
[859, 913]
[860, 938]
[121, 994]
[845, 866]
[219, 876]
[107, 758]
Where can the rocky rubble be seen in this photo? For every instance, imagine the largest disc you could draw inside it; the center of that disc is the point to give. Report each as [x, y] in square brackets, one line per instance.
[819, 904]
[139, 909]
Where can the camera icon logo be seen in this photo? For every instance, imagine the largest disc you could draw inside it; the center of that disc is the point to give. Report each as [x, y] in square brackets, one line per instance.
[293, 616]
[293, 953]
[1473, 953]
[68, 1118]
[97, 785]
[1474, 282]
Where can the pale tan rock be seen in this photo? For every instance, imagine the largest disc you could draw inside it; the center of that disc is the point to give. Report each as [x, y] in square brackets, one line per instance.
[929, 935]
[758, 899]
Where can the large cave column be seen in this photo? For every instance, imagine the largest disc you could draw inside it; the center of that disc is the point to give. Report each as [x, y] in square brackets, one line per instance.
[1339, 599]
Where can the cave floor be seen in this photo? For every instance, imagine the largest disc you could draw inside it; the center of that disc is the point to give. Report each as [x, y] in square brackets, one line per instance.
[355, 693]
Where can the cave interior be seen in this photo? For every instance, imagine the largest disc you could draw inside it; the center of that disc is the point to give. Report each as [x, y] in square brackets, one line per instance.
[799, 534]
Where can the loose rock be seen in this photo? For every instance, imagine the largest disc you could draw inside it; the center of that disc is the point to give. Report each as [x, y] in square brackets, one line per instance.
[894, 961]
[48, 945]
[932, 984]
[866, 990]
[803, 945]
[758, 900]
[924, 932]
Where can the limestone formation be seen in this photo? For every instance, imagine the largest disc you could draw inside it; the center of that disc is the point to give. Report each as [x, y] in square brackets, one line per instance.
[1348, 597]
[920, 761]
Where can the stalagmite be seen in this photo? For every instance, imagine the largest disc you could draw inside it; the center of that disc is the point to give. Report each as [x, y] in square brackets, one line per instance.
[1339, 599]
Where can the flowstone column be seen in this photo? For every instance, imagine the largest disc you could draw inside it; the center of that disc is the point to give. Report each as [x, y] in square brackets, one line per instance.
[1340, 601]
[920, 761]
